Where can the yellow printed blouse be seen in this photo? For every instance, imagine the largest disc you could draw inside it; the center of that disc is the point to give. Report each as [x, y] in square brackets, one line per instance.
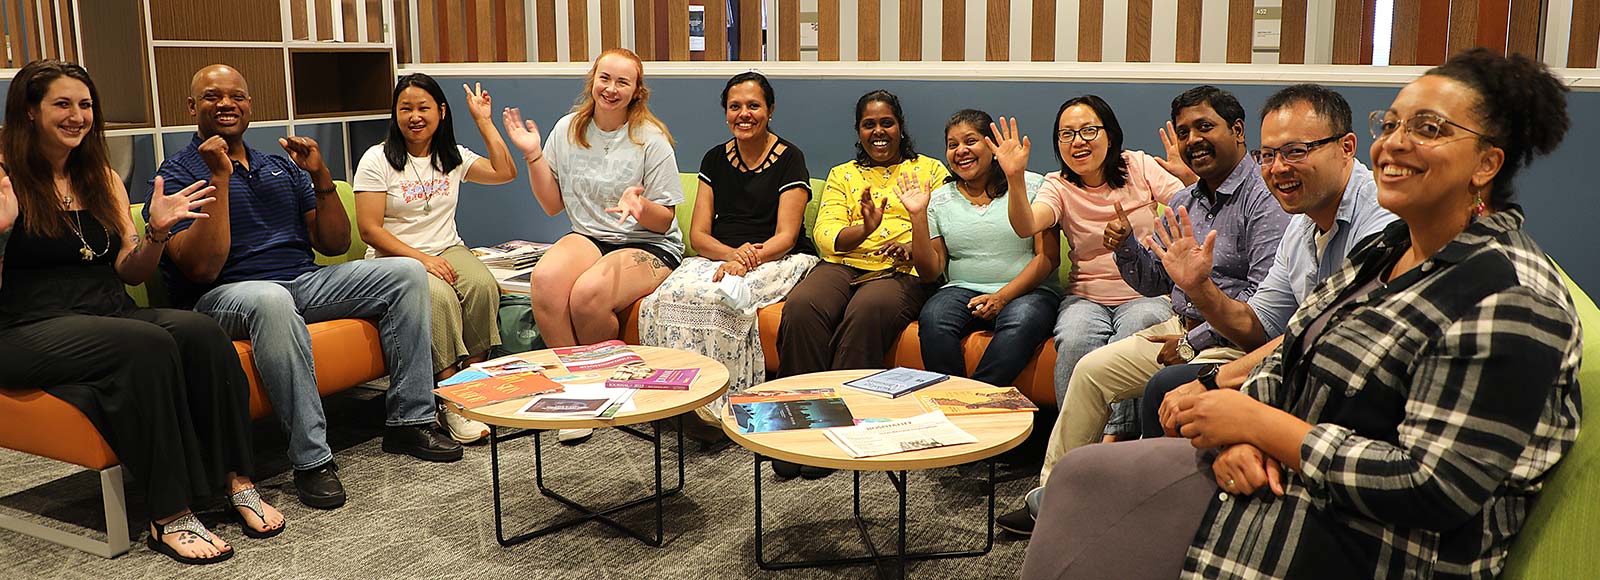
[841, 208]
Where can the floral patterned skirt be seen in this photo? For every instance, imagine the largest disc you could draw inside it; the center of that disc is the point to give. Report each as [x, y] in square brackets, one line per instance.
[687, 312]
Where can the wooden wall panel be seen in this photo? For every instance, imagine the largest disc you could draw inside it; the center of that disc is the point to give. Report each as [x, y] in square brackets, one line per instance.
[263, 67]
[578, 30]
[16, 55]
[1189, 16]
[677, 29]
[611, 24]
[910, 30]
[69, 32]
[1464, 27]
[827, 29]
[1044, 30]
[716, 29]
[1403, 49]
[125, 74]
[1346, 37]
[869, 30]
[1369, 25]
[1433, 31]
[789, 36]
[350, 12]
[1091, 30]
[30, 39]
[545, 19]
[250, 20]
[1241, 30]
[1292, 32]
[298, 21]
[953, 31]
[374, 17]
[516, 35]
[644, 29]
[1139, 12]
[750, 30]
[1523, 34]
[473, 26]
[997, 41]
[428, 30]
[402, 30]
[1492, 23]
[324, 19]
[485, 25]
[452, 43]
[47, 30]
[1585, 38]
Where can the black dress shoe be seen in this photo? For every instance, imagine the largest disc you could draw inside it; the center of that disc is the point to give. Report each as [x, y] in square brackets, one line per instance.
[319, 486]
[421, 442]
[1019, 522]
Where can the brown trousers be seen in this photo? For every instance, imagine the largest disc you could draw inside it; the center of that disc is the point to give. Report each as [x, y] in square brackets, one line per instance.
[829, 324]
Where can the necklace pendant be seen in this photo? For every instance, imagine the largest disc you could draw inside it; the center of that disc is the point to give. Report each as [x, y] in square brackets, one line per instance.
[88, 254]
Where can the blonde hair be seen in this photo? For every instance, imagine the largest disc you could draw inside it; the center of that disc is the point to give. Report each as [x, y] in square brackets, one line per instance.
[638, 109]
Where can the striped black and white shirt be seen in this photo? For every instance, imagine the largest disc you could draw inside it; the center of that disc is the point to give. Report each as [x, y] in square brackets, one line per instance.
[1440, 401]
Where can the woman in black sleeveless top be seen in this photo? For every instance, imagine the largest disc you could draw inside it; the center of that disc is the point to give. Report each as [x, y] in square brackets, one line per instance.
[164, 387]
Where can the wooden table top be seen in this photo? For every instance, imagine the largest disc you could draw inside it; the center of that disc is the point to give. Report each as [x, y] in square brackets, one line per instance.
[996, 433]
[650, 404]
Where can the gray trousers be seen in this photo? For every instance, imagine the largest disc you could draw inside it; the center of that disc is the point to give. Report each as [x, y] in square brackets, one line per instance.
[1121, 510]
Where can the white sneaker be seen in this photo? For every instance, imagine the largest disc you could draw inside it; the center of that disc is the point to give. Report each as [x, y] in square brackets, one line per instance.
[462, 429]
[573, 436]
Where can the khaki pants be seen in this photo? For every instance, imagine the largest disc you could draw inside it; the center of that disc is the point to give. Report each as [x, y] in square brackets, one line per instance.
[1114, 372]
[466, 319]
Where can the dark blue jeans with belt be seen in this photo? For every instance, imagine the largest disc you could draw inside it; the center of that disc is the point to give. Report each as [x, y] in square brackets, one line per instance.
[1019, 329]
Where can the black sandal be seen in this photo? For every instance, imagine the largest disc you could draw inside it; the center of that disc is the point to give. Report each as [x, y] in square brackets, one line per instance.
[184, 523]
[251, 499]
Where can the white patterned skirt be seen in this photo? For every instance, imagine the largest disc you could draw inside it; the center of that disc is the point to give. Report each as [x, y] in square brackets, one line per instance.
[688, 312]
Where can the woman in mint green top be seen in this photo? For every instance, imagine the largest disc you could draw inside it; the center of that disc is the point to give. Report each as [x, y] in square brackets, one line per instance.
[997, 281]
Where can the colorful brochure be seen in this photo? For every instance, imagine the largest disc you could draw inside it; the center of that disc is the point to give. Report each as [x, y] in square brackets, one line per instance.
[643, 377]
[604, 355]
[977, 401]
[490, 390]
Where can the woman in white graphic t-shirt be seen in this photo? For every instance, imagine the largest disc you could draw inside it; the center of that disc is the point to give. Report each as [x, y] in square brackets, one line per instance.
[406, 190]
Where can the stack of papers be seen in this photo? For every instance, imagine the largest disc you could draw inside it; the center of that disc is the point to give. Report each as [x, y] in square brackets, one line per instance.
[512, 255]
[924, 431]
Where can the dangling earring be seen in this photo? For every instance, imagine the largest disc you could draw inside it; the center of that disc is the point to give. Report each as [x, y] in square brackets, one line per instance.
[1478, 207]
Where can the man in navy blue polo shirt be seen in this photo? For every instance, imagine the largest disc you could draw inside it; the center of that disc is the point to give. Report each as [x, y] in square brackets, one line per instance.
[250, 266]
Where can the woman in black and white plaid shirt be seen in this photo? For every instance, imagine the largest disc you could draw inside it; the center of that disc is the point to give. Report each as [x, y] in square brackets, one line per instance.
[1418, 400]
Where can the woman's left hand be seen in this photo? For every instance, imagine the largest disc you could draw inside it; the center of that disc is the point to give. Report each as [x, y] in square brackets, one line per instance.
[167, 210]
[897, 251]
[479, 105]
[630, 205]
[1011, 148]
[987, 306]
[1218, 418]
[729, 268]
[1243, 469]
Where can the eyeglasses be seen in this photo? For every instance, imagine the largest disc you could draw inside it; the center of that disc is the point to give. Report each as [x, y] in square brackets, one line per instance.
[1088, 134]
[1422, 128]
[1292, 152]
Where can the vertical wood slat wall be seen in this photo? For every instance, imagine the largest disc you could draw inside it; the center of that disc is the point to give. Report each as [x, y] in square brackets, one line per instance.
[1425, 31]
[31, 31]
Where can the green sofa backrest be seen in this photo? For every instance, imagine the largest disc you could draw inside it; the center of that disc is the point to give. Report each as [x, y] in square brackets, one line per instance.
[1561, 538]
[154, 293]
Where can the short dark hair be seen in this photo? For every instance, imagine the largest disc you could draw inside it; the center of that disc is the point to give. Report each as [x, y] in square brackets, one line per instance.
[1223, 102]
[907, 150]
[981, 121]
[759, 79]
[442, 149]
[1115, 168]
[1523, 105]
[1325, 102]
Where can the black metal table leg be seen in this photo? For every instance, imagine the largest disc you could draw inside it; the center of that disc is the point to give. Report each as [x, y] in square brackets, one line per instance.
[901, 555]
[602, 515]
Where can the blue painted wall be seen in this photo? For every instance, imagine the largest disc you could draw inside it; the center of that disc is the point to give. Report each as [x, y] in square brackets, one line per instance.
[816, 115]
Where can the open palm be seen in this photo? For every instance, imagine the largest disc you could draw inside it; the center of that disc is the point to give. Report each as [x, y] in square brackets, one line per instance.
[1187, 260]
[523, 134]
[912, 194]
[630, 205]
[166, 210]
[1011, 149]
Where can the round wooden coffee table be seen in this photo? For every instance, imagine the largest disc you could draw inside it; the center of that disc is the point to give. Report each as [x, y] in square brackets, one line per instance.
[651, 406]
[996, 433]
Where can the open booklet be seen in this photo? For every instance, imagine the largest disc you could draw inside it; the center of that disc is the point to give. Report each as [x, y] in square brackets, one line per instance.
[924, 431]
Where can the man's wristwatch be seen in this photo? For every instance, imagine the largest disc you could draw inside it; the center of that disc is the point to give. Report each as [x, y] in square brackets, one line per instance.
[1185, 351]
[1208, 376]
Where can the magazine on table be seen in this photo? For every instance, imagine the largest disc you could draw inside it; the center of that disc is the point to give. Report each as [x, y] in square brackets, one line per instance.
[818, 409]
[775, 396]
[895, 382]
[925, 431]
[509, 365]
[643, 377]
[603, 355]
[488, 390]
[976, 401]
[514, 255]
[581, 400]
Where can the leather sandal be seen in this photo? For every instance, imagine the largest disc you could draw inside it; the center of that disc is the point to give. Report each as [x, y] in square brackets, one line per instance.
[251, 499]
[184, 523]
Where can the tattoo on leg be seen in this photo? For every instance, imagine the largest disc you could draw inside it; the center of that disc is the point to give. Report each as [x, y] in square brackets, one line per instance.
[641, 257]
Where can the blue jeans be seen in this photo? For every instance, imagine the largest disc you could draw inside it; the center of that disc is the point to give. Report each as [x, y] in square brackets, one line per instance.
[1019, 329]
[1162, 383]
[1083, 326]
[274, 314]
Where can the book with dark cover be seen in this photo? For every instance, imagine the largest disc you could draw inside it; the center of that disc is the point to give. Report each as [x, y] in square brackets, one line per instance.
[895, 382]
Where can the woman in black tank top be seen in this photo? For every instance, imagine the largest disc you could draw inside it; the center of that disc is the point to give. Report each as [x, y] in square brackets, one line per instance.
[163, 387]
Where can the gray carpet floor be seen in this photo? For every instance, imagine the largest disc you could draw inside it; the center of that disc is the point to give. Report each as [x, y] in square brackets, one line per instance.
[411, 519]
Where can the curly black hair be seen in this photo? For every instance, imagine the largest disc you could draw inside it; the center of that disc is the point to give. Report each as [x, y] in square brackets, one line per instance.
[907, 151]
[1523, 105]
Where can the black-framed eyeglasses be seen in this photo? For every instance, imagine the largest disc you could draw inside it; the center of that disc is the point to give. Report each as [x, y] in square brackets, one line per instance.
[1088, 134]
[1292, 152]
[1422, 128]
